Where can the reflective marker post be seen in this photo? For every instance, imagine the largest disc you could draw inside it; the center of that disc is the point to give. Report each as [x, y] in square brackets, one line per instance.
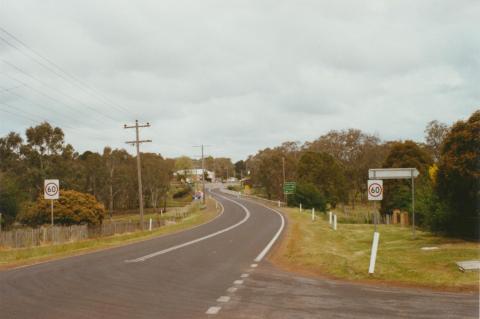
[373, 256]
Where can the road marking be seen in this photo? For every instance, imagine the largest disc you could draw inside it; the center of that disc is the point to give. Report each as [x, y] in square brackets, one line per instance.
[213, 310]
[253, 265]
[270, 244]
[164, 251]
[232, 289]
[244, 275]
[223, 299]
[238, 282]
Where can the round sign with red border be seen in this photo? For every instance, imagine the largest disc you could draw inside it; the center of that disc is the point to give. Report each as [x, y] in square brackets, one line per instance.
[375, 190]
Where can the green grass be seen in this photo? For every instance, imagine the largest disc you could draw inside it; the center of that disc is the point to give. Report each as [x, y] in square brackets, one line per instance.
[17, 257]
[312, 247]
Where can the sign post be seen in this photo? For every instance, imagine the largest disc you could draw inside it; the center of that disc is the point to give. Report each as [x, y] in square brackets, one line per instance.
[51, 190]
[289, 188]
[398, 173]
[375, 193]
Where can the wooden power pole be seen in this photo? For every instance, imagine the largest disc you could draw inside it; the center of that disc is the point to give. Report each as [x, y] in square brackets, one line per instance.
[137, 143]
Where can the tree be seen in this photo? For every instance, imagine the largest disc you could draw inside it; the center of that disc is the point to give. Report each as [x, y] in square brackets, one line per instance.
[10, 150]
[240, 169]
[157, 173]
[458, 176]
[72, 208]
[357, 151]
[10, 199]
[326, 173]
[309, 196]
[397, 193]
[435, 133]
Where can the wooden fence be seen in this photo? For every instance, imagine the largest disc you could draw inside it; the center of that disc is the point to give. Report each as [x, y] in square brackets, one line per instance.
[31, 237]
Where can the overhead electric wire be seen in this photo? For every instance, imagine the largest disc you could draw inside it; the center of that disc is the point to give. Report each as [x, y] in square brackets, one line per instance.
[66, 75]
[43, 106]
[60, 102]
[56, 90]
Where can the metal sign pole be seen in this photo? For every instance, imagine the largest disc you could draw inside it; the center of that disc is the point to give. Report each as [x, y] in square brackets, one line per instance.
[51, 211]
[413, 206]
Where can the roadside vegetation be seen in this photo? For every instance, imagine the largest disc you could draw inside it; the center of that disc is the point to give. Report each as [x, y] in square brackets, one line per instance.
[17, 257]
[332, 172]
[313, 248]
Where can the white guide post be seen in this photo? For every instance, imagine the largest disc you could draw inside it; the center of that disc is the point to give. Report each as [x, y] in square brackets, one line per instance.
[373, 256]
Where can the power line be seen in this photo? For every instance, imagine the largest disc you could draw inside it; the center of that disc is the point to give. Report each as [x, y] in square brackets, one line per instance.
[35, 103]
[61, 103]
[56, 90]
[62, 74]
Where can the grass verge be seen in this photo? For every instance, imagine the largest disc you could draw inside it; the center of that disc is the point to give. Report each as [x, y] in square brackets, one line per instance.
[10, 258]
[313, 248]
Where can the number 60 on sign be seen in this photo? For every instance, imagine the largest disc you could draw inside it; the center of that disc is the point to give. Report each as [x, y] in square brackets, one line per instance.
[375, 189]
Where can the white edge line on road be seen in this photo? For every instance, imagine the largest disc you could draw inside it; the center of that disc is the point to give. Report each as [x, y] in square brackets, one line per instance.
[164, 251]
[119, 246]
[213, 310]
[270, 244]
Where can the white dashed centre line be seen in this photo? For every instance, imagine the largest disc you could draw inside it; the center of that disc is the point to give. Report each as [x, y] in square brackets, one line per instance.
[223, 299]
[253, 265]
[232, 289]
[244, 275]
[213, 310]
[238, 282]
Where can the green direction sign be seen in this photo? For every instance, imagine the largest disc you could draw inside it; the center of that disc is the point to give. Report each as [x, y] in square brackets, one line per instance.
[289, 187]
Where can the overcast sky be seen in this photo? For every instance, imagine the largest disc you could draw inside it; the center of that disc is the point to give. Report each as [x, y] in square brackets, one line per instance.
[237, 75]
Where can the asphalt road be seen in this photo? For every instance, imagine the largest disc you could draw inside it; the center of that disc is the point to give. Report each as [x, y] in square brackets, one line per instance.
[212, 271]
[143, 280]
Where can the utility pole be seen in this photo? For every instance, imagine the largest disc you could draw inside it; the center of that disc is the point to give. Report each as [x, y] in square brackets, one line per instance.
[283, 185]
[203, 171]
[137, 143]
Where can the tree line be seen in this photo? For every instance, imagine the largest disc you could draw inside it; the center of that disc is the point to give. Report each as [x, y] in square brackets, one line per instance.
[333, 169]
[110, 176]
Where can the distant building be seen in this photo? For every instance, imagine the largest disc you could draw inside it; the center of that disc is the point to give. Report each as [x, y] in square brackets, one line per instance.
[194, 175]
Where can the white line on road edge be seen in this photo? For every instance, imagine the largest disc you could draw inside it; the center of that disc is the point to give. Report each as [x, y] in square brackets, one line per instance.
[270, 244]
[161, 252]
[213, 310]
[253, 265]
[244, 275]
[232, 289]
[238, 282]
[223, 299]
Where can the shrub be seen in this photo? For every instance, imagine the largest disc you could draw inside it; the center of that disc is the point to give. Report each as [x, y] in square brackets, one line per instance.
[182, 192]
[70, 209]
[309, 196]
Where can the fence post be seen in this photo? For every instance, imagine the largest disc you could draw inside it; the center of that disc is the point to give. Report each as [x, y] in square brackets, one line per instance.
[300, 207]
[330, 218]
[150, 225]
[335, 222]
[313, 214]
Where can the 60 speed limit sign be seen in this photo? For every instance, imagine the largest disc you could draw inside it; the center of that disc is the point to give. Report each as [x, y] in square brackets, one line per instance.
[51, 189]
[375, 189]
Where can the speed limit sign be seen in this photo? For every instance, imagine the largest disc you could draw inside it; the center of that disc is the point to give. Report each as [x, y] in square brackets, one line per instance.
[51, 189]
[375, 189]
